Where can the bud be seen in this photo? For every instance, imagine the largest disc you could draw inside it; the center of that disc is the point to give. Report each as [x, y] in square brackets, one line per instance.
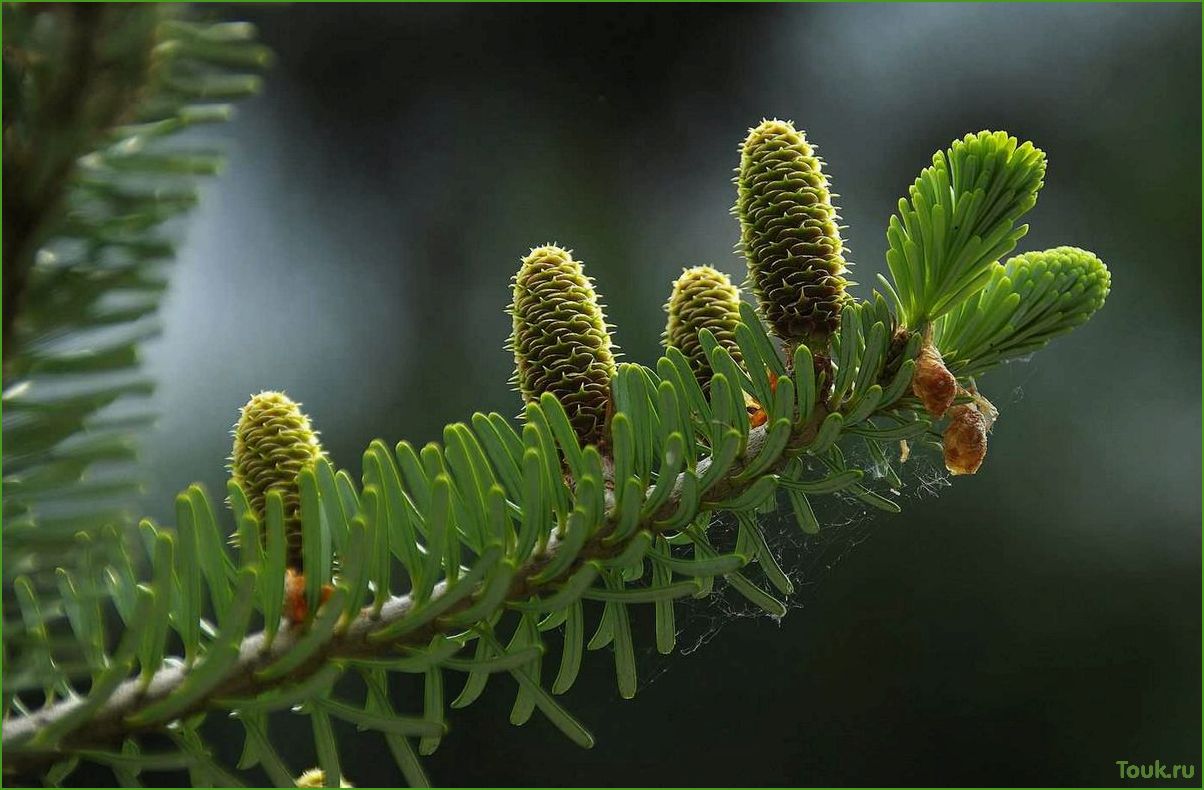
[702, 298]
[273, 442]
[1029, 301]
[789, 235]
[1059, 290]
[932, 382]
[561, 341]
[965, 439]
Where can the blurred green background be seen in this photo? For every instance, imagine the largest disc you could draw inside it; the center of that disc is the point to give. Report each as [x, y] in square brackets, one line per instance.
[1032, 625]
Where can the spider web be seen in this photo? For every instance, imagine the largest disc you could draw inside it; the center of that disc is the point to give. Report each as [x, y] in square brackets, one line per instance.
[807, 560]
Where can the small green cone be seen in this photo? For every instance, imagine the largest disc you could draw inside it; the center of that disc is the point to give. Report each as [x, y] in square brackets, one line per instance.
[273, 442]
[561, 341]
[702, 298]
[789, 235]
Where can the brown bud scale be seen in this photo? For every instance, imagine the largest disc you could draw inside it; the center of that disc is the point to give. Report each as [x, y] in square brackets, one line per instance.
[965, 439]
[932, 382]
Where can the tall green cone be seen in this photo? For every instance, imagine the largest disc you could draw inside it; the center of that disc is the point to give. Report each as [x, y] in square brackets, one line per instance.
[1030, 300]
[561, 341]
[273, 442]
[702, 298]
[789, 234]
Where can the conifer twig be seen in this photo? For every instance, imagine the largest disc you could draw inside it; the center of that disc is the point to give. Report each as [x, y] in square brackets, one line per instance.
[109, 725]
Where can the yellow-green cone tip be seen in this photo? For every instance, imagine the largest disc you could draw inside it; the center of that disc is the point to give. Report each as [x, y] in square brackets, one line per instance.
[316, 777]
[561, 341]
[789, 234]
[273, 442]
[702, 298]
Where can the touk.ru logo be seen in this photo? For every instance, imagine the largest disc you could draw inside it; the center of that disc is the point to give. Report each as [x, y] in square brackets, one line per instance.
[1155, 770]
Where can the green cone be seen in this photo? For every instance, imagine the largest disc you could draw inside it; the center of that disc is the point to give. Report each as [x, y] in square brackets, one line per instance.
[561, 341]
[702, 298]
[273, 442]
[789, 234]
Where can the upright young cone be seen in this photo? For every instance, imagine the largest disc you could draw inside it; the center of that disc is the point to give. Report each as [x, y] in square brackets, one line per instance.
[561, 341]
[273, 442]
[789, 234]
[702, 298]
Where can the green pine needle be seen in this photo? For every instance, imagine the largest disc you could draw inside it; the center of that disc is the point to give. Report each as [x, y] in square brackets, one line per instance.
[1030, 300]
[959, 219]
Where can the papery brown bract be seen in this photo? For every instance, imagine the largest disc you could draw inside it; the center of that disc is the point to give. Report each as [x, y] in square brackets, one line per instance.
[965, 439]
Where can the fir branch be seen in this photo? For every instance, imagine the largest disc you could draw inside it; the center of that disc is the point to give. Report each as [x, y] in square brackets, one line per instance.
[614, 466]
[109, 724]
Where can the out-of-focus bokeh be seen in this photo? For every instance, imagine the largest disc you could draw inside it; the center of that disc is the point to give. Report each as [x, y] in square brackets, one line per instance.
[1031, 625]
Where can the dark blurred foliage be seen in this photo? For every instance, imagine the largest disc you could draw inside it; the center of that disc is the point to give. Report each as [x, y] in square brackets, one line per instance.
[94, 186]
[1032, 625]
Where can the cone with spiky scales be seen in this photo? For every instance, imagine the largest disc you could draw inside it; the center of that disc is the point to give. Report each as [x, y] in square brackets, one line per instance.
[273, 442]
[702, 298]
[561, 341]
[789, 235]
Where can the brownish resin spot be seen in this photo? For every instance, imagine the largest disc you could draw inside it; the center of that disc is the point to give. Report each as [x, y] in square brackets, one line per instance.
[756, 413]
[296, 606]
